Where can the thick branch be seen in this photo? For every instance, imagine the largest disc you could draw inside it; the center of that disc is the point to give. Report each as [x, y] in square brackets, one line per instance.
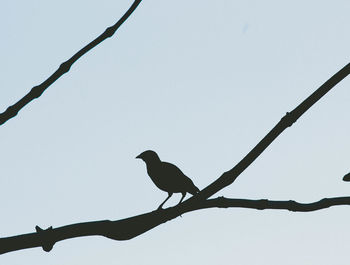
[64, 68]
[131, 227]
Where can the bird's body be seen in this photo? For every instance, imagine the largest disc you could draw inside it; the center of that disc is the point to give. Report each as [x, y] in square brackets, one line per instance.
[167, 176]
[170, 178]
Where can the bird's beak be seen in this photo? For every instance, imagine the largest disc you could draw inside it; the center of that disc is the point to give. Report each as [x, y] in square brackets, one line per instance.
[139, 156]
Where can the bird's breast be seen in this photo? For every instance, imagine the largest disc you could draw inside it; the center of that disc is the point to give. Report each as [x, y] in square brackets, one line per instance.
[158, 177]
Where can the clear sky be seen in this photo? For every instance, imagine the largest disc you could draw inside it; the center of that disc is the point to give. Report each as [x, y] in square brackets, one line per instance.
[200, 82]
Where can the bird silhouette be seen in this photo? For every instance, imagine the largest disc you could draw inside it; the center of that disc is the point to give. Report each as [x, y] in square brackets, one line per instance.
[166, 176]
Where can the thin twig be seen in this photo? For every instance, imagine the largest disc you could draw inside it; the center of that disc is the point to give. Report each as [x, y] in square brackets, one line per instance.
[36, 91]
[290, 205]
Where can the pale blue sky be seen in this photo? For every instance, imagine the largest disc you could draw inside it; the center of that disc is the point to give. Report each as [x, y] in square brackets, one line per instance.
[200, 82]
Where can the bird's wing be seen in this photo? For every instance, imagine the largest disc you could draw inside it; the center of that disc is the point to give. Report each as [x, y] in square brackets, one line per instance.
[177, 179]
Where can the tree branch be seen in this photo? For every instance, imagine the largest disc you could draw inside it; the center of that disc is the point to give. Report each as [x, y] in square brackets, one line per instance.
[36, 91]
[129, 228]
[230, 176]
[264, 204]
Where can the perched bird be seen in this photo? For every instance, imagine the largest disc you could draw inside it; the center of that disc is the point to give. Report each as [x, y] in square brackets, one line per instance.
[166, 176]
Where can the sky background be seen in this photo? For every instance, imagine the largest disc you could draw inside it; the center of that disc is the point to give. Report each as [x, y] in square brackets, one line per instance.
[200, 82]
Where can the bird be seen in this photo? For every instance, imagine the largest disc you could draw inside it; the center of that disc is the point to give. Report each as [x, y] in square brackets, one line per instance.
[167, 176]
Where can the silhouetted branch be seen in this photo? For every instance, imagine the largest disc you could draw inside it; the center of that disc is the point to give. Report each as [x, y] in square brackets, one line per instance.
[230, 176]
[131, 227]
[64, 68]
[290, 205]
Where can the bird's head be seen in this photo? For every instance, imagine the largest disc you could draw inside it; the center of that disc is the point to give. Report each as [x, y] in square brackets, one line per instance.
[149, 156]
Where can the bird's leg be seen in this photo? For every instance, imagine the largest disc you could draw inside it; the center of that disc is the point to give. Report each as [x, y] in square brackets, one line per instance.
[169, 195]
[183, 196]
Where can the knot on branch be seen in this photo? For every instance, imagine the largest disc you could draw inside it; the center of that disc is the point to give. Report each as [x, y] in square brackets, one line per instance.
[65, 67]
[110, 31]
[37, 91]
[11, 111]
[262, 204]
[228, 178]
[293, 206]
[46, 237]
[289, 119]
